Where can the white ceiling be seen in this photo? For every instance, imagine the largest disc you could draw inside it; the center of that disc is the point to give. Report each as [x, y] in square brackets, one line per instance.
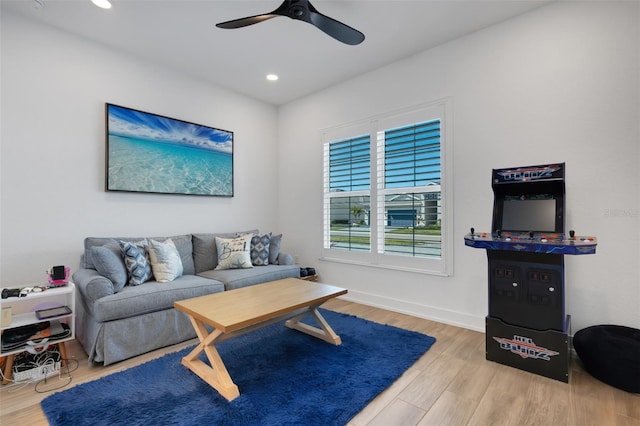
[181, 34]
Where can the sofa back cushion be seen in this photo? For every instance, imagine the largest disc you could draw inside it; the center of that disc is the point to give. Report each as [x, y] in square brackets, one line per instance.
[205, 253]
[182, 242]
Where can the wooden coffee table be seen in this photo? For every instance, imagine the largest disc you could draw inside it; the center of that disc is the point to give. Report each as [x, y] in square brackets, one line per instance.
[239, 311]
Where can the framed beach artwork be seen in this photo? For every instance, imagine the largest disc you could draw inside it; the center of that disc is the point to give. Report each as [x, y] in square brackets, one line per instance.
[152, 153]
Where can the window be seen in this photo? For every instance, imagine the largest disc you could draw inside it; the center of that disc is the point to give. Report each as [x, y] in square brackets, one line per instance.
[349, 187]
[385, 202]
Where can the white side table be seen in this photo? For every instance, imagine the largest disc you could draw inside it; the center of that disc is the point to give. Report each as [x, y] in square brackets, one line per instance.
[23, 313]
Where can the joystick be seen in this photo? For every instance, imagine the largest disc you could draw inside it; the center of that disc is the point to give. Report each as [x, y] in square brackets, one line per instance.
[499, 233]
[572, 234]
[531, 235]
[473, 231]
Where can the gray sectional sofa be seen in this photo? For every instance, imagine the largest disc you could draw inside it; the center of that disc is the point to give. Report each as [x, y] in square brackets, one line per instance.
[115, 321]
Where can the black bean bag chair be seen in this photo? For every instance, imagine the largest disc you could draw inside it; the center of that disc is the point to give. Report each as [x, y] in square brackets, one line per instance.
[611, 353]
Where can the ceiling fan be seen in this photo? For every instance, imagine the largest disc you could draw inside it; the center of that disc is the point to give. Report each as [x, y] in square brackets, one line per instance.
[303, 10]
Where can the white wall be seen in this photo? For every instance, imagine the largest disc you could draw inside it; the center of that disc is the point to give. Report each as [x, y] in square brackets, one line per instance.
[54, 87]
[560, 84]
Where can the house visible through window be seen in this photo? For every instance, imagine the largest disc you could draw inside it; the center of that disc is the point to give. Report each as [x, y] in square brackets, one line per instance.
[384, 202]
[349, 182]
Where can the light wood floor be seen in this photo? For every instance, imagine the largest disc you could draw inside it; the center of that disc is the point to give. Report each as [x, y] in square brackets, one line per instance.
[452, 384]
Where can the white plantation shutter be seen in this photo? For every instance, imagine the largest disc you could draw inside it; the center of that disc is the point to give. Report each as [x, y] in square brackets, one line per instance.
[409, 190]
[388, 187]
[347, 193]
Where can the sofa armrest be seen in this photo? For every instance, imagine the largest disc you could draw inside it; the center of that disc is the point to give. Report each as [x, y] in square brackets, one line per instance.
[285, 259]
[91, 285]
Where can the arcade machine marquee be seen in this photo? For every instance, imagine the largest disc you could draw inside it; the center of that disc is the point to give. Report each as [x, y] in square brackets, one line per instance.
[527, 327]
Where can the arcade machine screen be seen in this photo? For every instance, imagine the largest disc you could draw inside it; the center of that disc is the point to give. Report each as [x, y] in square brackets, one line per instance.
[529, 214]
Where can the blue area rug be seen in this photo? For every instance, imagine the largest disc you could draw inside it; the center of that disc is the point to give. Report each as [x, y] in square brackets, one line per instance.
[285, 378]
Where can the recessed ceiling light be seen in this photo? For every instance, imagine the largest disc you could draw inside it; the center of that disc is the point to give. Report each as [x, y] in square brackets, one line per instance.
[272, 77]
[105, 4]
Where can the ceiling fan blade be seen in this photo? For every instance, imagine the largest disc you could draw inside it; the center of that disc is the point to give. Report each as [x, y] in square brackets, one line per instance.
[303, 10]
[243, 22]
[336, 29]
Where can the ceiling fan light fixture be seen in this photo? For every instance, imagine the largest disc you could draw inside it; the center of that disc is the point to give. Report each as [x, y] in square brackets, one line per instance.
[104, 4]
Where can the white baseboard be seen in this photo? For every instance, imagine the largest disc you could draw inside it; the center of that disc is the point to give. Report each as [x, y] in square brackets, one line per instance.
[427, 312]
[432, 313]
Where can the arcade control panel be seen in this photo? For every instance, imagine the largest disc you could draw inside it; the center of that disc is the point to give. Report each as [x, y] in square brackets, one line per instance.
[534, 242]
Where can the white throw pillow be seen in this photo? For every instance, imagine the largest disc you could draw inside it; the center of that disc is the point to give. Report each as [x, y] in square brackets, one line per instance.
[234, 253]
[165, 260]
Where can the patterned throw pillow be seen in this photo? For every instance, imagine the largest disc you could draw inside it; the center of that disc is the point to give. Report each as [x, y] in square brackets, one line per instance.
[165, 260]
[260, 249]
[234, 253]
[136, 260]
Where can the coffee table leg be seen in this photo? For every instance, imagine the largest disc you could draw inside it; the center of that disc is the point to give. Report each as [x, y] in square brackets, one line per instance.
[325, 333]
[215, 374]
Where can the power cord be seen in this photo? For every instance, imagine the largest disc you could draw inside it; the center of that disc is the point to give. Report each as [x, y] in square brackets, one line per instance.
[43, 362]
[38, 388]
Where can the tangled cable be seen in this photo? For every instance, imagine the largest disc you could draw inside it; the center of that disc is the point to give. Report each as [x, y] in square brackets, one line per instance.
[43, 363]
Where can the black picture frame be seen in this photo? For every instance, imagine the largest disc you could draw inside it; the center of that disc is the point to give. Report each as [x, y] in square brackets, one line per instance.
[151, 153]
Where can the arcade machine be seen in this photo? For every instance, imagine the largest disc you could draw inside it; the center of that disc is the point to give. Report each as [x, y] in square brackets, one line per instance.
[527, 327]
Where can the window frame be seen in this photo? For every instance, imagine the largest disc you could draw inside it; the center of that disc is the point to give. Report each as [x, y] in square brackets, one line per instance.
[443, 265]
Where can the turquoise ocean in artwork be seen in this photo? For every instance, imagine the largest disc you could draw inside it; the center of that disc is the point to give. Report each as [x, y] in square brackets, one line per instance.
[137, 164]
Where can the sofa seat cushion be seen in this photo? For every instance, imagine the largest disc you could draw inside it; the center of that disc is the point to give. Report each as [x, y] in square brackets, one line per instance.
[237, 278]
[151, 296]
